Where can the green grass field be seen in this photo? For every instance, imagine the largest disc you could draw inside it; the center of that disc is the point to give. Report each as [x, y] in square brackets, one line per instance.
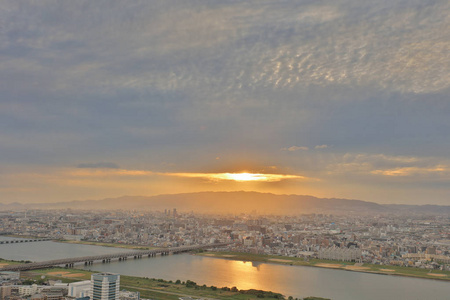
[10, 262]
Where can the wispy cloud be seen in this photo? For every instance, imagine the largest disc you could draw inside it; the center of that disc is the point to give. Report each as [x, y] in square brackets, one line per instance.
[391, 166]
[295, 148]
[99, 165]
[414, 171]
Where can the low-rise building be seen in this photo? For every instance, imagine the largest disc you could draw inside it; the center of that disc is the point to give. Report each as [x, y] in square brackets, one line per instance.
[79, 289]
[343, 254]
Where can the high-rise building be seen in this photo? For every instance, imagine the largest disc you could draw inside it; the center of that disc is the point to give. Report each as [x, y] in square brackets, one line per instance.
[105, 286]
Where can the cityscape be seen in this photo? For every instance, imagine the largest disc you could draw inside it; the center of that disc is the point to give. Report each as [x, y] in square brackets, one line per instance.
[346, 242]
[416, 241]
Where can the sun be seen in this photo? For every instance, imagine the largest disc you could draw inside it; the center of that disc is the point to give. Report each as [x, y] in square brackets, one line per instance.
[240, 177]
[246, 176]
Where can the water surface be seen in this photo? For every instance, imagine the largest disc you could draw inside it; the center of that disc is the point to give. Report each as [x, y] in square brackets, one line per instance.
[297, 281]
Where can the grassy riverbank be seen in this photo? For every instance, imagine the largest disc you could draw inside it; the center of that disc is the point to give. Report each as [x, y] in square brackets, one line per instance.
[347, 266]
[154, 288]
[4, 262]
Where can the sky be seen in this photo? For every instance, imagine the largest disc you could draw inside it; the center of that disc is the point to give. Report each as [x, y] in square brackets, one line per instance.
[343, 98]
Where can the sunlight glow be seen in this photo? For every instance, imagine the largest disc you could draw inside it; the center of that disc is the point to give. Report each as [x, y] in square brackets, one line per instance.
[246, 177]
[241, 177]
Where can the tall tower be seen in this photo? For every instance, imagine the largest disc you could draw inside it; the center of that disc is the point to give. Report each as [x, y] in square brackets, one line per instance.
[105, 286]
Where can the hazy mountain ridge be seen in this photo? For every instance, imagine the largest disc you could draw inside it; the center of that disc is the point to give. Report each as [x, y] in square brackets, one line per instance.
[236, 202]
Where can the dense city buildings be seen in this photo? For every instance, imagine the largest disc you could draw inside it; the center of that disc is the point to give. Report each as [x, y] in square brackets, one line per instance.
[410, 240]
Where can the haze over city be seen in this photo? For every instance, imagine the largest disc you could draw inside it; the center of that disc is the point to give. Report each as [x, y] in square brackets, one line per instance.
[346, 99]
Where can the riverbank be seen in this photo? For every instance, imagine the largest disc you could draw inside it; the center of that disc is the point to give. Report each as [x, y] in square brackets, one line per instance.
[154, 288]
[4, 262]
[345, 266]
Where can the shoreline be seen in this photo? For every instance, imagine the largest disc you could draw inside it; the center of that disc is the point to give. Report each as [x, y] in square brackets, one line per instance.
[335, 265]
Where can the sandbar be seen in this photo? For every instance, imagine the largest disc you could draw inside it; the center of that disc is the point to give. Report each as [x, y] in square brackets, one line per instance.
[356, 268]
[324, 265]
[279, 260]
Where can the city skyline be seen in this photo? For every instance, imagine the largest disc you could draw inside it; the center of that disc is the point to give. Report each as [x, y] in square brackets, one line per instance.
[346, 99]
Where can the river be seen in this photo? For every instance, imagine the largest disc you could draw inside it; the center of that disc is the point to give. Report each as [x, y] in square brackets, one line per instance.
[296, 281]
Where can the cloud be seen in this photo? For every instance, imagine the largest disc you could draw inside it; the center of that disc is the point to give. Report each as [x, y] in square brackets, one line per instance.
[321, 147]
[228, 47]
[415, 171]
[108, 172]
[295, 148]
[99, 165]
[104, 172]
[391, 166]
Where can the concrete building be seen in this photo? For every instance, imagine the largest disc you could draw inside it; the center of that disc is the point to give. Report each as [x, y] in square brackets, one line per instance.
[343, 254]
[105, 286]
[28, 290]
[9, 276]
[54, 292]
[38, 297]
[79, 289]
[5, 291]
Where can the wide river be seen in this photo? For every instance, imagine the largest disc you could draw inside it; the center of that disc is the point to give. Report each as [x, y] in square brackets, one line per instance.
[293, 281]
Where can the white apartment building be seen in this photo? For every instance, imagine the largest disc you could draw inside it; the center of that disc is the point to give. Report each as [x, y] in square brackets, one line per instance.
[79, 289]
[28, 290]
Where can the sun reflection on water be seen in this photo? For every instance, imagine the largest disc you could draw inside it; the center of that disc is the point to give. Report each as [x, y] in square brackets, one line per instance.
[246, 274]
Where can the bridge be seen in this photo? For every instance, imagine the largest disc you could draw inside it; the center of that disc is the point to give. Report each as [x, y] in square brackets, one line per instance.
[88, 260]
[24, 241]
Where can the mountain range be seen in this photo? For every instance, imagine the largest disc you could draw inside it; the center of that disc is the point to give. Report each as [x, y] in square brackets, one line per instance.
[236, 202]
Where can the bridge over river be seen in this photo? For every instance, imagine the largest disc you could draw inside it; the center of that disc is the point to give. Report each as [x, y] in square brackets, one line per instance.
[24, 241]
[87, 260]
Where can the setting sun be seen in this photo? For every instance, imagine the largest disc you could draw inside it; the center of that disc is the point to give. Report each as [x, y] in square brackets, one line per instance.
[242, 177]
[246, 176]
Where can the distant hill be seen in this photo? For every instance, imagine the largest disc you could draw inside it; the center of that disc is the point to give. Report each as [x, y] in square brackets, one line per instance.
[237, 202]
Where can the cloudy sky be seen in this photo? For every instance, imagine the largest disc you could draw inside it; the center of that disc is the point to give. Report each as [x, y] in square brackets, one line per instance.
[343, 98]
